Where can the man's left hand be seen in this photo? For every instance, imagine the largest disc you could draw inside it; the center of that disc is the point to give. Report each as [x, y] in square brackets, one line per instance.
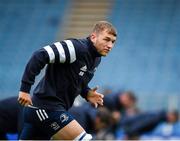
[94, 97]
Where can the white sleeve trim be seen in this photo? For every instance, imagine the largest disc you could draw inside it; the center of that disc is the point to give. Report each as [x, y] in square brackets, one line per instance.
[50, 53]
[71, 50]
[62, 56]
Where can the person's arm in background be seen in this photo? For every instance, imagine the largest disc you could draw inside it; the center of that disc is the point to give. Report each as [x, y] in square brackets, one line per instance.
[143, 122]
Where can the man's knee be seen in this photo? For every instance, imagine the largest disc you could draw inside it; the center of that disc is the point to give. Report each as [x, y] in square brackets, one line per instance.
[83, 136]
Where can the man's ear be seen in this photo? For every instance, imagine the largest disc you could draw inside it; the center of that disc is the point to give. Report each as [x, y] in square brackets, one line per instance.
[93, 37]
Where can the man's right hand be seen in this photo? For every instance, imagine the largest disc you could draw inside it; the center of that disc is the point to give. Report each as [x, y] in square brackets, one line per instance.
[24, 99]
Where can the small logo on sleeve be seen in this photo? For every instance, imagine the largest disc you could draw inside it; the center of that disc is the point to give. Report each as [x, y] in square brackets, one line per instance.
[83, 70]
[64, 117]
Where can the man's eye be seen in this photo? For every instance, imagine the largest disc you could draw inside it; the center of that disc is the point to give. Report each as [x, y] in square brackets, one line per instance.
[106, 39]
[113, 42]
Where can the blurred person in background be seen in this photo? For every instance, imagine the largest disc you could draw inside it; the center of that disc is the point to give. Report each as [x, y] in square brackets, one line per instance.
[10, 117]
[150, 123]
[70, 66]
[141, 123]
[91, 119]
[169, 129]
[123, 101]
[121, 104]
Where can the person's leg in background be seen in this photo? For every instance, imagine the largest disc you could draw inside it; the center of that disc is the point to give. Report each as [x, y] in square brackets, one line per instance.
[3, 135]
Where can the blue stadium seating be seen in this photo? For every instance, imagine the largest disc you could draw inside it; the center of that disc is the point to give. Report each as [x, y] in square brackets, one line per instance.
[146, 56]
[24, 27]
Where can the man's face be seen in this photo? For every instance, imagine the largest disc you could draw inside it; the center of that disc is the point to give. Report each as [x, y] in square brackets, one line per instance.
[172, 117]
[103, 42]
[126, 101]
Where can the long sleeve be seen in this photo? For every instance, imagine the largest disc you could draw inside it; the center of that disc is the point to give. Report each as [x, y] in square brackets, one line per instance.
[37, 62]
[59, 52]
[85, 92]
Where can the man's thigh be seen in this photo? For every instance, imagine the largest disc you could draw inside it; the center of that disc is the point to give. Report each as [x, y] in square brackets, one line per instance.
[69, 132]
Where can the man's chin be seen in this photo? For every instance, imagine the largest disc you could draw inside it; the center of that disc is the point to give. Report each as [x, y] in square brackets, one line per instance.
[104, 54]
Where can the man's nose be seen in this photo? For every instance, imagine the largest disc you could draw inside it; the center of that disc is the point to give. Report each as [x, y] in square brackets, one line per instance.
[110, 45]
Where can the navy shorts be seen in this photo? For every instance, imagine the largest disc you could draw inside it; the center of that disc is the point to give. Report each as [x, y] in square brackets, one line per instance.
[41, 124]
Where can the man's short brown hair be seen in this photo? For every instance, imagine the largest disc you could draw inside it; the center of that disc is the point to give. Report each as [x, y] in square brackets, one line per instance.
[103, 25]
[131, 95]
